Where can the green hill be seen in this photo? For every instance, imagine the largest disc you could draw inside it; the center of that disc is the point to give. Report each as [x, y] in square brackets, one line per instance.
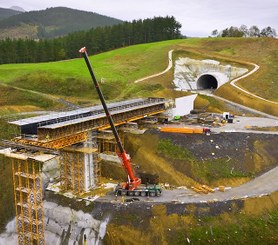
[5, 13]
[52, 22]
[119, 68]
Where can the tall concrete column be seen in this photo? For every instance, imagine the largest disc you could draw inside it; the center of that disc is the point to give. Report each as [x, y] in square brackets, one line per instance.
[90, 162]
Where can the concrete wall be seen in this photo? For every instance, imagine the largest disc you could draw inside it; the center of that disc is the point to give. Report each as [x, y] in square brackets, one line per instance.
[183, 105]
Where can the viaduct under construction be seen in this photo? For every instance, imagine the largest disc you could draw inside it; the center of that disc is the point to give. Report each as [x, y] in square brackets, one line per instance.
[73, 138]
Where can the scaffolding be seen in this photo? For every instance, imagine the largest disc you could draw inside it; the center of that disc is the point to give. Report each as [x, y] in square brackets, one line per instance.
[52, 144]
[80, 168]
[106, 141]
[28, 201]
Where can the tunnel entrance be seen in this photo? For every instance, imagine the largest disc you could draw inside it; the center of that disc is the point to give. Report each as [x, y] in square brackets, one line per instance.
[207, 82]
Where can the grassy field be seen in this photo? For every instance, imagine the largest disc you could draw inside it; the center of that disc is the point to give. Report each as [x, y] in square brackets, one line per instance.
[13, 101]
[125, 64]
[118, 69]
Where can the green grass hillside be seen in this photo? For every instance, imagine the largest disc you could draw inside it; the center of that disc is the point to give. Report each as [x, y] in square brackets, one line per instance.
[119, 68]
[13, 100]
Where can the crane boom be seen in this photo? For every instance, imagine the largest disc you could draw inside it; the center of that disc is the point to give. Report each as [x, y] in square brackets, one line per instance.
[132, 181]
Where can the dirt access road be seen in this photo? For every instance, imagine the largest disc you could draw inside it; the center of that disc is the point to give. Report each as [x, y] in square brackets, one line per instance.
[260, 186]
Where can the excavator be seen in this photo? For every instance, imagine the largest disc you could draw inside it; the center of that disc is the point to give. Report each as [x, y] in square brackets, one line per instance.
[133, 186]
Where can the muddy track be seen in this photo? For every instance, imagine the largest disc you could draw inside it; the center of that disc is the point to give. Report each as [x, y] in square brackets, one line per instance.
[260, 186]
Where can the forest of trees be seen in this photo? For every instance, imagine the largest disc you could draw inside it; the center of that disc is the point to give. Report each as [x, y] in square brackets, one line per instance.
[244, 31]
[96, 40]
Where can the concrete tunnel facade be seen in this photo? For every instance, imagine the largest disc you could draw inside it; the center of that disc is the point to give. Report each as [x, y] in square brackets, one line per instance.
[212, 80]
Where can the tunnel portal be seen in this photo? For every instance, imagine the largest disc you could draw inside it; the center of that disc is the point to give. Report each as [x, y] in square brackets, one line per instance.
[207, 81]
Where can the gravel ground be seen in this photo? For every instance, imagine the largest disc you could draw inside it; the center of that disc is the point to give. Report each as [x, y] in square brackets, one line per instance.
[231, 146]
[260, 186]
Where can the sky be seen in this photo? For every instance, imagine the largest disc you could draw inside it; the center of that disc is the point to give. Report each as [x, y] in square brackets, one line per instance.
[198, 17]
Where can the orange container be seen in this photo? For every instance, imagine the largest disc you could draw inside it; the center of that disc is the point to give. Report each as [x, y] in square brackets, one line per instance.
[182, 130]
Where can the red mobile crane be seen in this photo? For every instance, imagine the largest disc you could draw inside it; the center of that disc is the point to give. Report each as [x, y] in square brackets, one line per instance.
[133, 184]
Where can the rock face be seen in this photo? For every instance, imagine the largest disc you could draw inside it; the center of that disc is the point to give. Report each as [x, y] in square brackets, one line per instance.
[63, 225]
[50, 170]
[193, 74]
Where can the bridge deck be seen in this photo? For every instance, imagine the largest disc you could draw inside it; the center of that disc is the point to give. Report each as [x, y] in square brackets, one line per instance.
[101, 114]
[60, 129]
[69, 115]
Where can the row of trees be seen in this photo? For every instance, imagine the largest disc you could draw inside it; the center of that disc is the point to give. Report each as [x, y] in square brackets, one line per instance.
[244, 31]
[97, 40]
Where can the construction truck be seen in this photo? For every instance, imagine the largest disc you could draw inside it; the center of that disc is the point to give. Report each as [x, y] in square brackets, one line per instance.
[133, 186]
